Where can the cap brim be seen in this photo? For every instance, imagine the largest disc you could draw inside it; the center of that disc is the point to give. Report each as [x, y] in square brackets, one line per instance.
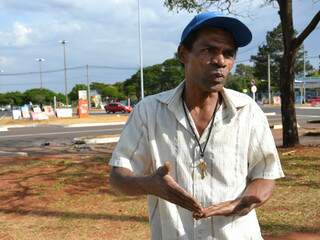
[241, 33]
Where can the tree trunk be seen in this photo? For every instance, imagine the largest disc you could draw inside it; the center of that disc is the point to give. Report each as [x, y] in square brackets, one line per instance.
[289, 121]
[290, 135]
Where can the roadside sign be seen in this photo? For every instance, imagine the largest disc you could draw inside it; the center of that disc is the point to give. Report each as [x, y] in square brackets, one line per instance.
[83, 110]
[16, 114]
[82, 94]
[64, 112]
[253, 88]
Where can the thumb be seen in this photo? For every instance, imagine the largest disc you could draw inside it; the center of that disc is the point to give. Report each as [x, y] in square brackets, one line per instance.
[164, 170]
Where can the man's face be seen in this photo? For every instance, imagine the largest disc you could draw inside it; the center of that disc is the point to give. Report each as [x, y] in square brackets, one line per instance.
[210, 60]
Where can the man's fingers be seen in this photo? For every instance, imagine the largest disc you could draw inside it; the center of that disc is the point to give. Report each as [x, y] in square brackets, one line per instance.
[164, 170]
[185, 200]
[224, 208]
[185, 196]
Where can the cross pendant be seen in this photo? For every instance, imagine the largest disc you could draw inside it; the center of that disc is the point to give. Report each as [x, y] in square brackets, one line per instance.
[203, 168]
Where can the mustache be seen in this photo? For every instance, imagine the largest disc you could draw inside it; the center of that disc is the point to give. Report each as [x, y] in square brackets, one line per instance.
[219, 73]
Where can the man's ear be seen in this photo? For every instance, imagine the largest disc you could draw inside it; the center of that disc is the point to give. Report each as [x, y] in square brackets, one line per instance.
[182, 54]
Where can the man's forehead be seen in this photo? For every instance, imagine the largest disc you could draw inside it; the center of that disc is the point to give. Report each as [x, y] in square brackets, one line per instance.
[207, 35]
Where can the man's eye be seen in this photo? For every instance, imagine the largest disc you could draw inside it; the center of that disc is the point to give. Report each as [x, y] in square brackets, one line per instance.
[229, 54]
[205, 50]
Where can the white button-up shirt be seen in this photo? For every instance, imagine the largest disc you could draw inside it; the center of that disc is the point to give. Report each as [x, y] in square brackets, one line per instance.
[240, 148]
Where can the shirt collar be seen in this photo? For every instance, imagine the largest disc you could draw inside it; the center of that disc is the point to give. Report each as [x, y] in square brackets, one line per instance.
[233, 99]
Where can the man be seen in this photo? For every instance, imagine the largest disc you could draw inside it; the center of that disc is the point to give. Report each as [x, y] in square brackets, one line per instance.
[203, 154]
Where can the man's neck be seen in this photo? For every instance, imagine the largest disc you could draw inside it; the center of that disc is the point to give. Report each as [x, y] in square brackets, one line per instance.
[196, 98]
[201, 105]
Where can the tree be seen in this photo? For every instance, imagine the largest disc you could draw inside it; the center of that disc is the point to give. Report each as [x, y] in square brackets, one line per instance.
[274, 48]
[38, 96]
[73, 95]
[108, 91]
[291, 44]
[157, 78]
[241, 79]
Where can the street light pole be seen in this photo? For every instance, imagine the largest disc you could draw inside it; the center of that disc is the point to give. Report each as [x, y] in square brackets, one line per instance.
[64, 42]
[1, 71]
[304, 76]
[88, 88]
[269, 80]
[40, 60]
[140, 52]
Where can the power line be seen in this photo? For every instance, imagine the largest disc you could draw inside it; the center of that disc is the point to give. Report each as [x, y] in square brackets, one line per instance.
[248, 50]
[69, 68]
[243, 60]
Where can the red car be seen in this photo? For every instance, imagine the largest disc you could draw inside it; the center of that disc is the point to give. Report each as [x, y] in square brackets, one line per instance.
[117, 107]
[315, 101]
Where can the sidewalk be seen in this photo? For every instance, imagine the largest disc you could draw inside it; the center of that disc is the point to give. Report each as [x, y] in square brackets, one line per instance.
[92, 120]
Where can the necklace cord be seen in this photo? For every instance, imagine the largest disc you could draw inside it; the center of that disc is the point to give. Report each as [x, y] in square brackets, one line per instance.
[210, 129]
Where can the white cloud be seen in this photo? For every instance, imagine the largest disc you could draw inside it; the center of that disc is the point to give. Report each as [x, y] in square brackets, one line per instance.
[21, 34]
[18, 36]
[5, 62]
[106, 32]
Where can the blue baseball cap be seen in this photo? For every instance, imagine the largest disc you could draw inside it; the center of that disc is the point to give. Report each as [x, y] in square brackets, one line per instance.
[241, 33]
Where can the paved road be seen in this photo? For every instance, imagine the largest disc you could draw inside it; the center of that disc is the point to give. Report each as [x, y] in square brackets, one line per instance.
[35, 136]
[303, 114]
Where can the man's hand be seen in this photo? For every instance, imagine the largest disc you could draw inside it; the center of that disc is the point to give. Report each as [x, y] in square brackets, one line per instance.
[257, 192]
[164, 186]
[160, 184]
[238, 207]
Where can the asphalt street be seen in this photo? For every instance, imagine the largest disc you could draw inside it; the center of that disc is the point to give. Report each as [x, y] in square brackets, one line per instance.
[36, 136]
[303, 114]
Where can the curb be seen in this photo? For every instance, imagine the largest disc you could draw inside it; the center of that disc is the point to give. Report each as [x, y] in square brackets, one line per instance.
[22, 126]
[102, 140]
[279, 126]
[312, 133]
[3, 129]
[13, 154]
[96, 140]
[93, 124]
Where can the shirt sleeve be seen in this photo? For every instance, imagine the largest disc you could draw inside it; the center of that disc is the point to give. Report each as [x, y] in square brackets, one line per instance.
[263, 158]
[132, 151]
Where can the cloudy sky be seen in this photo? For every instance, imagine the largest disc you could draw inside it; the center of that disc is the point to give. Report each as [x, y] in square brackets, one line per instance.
[105, 33]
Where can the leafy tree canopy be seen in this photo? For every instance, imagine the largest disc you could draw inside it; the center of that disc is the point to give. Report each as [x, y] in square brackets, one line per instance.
[39, 96]
[157, 78]
[274, 47]
[73, 95]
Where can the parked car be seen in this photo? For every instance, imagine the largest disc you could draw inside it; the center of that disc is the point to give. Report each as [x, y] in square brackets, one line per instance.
[314, 101]
[117, 107]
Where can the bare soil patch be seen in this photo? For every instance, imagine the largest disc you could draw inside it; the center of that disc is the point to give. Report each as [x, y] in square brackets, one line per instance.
[65, 194]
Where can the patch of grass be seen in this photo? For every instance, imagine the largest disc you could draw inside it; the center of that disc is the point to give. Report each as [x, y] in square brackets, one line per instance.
[295, 204]
[70, 198]
[19, 166]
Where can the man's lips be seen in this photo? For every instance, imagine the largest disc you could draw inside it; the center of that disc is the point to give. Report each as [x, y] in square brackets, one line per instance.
[218, 75]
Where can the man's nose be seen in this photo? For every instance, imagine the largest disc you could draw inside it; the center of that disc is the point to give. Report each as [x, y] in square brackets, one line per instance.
[218, 60]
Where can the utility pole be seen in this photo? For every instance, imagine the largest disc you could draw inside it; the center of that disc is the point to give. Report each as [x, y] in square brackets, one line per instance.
[140, 52]
[64, 42]
[40, 60]
[1, 71]
[269, 80]
[304, 63]
[304, 76]
[88, 88]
